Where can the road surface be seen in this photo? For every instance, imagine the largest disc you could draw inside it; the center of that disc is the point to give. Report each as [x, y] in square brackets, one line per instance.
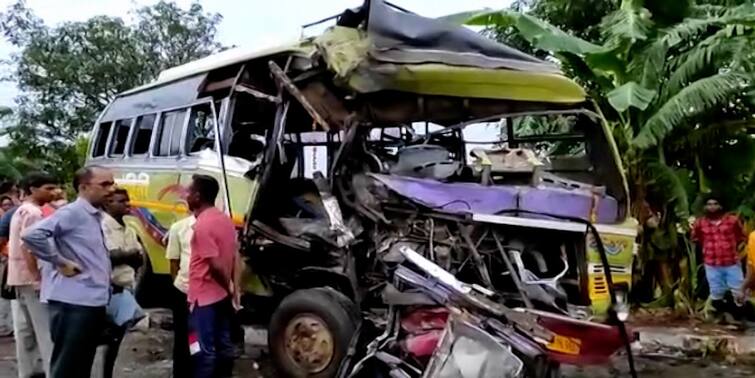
[146, 354]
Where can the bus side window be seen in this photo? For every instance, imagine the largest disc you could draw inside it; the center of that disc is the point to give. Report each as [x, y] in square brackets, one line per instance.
[100, 141]
[169, 139]
[120, 135]
[201, 133]
[143, 134]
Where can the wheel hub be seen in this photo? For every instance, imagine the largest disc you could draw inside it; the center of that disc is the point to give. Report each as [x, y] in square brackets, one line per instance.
[309, 343]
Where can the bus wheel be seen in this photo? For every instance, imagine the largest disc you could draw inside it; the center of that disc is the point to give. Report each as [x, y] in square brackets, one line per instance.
[310, 332]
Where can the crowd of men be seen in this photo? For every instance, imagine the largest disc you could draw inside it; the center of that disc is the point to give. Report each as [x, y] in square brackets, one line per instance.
[70, 271]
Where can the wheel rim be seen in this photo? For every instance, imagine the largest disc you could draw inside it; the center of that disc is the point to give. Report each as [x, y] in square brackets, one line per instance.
[309, 343]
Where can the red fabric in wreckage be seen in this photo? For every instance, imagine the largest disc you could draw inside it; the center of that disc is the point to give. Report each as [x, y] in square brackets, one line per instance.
[424, 328]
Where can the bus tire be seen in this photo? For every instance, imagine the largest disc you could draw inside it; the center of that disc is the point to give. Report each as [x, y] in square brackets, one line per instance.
[310, 333]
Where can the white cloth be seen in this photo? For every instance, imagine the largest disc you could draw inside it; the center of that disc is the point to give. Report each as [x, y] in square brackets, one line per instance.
[120, 237]
[179, 248]
[31, 327]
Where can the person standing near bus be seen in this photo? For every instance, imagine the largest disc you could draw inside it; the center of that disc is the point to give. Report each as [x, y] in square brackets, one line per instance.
[211, 282]
[77, 285]
[30, 315]
[59, 201]
[6, 203]
[9, 190]
[721, 234]
[178, 253]
[126, 256]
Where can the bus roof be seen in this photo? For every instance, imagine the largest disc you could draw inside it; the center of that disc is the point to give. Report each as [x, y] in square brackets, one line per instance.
[219, 60]
[224, 59]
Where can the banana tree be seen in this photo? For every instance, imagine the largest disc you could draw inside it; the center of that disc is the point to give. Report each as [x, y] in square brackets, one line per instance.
[660, 86]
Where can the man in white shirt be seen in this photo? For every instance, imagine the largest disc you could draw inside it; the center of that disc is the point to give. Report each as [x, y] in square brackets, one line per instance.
[126, 255]
[178, 253]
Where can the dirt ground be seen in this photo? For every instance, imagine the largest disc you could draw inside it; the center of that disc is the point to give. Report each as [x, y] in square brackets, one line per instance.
[142, 355]
[147, 355]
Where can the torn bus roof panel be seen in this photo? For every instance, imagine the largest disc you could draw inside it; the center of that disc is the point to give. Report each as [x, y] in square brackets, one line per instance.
[406, 52]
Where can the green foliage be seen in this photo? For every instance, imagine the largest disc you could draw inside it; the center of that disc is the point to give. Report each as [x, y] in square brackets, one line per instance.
[663, 181]
[675, 80]
[69, 72]
[14, 166]
[630, 94]
[698, 97]
[537, 32]
[712, 53]
[580, 18]
[648, 64]
[628, 24]
[691, 90]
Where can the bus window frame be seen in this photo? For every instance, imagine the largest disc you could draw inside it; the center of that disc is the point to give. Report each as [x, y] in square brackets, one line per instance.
[214, 112]
[113, 134]
[159, 135]
[134, 131]
[96, 136]
[184, 128]
[151, 153]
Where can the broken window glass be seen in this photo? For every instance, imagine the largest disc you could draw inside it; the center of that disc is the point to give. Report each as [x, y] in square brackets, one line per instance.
[550, 135]
[555, 140]
[201, 128]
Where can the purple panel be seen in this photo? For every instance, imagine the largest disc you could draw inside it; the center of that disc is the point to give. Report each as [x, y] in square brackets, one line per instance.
[572, 203]
[452, 197]
[555, 201]
[608, 210]
[476, 198]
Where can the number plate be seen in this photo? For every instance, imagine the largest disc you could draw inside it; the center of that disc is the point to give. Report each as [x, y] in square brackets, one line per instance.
[566, 345]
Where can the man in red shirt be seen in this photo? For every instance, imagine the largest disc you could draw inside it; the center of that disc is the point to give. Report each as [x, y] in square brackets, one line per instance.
[721, 235]
[211, 288]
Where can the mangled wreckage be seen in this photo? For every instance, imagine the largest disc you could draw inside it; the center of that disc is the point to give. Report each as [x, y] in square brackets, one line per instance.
[471, 219]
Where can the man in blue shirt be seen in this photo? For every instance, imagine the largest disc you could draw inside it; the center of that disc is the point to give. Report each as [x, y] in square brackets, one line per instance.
[5, 223]
[77, 284]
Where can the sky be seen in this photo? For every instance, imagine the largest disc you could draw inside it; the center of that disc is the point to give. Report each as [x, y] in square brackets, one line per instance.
[246, 23]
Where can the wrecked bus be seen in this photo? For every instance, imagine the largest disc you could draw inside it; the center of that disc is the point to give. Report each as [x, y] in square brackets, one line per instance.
[388, 132]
